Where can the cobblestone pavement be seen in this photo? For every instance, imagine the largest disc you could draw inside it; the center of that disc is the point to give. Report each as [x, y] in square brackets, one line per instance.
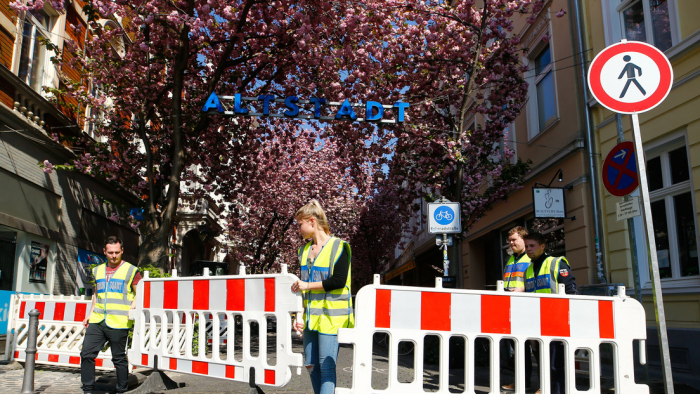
[52, 380]
[57, 380]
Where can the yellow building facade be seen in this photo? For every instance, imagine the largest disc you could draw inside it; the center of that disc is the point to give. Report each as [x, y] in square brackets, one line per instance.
[671, 138]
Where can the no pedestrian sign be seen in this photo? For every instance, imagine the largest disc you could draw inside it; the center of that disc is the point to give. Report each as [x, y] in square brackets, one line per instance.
[620, 175]
[630, 77]
[444, 218]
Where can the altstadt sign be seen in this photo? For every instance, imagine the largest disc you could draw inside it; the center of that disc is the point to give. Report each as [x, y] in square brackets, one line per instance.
[373, 111]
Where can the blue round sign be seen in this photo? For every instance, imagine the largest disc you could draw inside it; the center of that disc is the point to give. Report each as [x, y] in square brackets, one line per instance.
[444, 215]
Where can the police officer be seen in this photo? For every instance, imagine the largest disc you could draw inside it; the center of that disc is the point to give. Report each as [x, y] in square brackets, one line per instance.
[514, 276]
[514, 280]
[544, 275]
[108, 320]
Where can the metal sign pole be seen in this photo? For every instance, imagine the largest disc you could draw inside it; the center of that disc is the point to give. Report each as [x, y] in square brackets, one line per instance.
[445, 260]
[653, 261]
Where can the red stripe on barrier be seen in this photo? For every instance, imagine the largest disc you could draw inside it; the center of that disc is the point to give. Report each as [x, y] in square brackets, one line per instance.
[606, 319]
[269, 376]
[170, 294]
[146, 294]
[80, 310]
[200, 367]
[435, 311]
[173, 364]
[21, 310]
[230, 372]
[201, 294]
[554, 317]
[235, 294]
[270, 295]
[99, 362]
[59, 310]
[16, 355]
[53, 358]
[40, 306]
[74, 360]
[382, 311]
[144, 359]
[495, 314]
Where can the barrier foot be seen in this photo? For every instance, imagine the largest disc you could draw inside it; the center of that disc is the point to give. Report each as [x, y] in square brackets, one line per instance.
[254, 388]
[158, 381]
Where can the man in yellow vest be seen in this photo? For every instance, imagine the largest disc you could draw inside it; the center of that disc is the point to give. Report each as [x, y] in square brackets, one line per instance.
[514, 276]
[544, 275]
[108, 320]
[514, 280]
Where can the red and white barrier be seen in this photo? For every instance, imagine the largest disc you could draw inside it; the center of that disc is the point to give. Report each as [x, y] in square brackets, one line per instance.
[411, 313]
[61, 332]
[186, 301]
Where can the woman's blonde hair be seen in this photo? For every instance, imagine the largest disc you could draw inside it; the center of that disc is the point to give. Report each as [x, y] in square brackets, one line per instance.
[313, 209]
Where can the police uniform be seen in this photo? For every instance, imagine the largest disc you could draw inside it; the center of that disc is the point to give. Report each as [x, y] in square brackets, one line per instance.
[551, 272]
[109, 322]
[514, 276]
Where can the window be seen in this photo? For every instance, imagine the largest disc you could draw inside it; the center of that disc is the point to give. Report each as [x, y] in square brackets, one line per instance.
[544, 79]
[652, 21]
[37, 25]
[672, 209]
[542, 105]
[93, 116]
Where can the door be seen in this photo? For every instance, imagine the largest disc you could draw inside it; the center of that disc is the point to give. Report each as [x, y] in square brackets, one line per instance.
[7, 259]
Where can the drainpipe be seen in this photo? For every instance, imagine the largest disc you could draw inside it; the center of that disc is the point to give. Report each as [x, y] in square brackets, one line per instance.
[589, 148]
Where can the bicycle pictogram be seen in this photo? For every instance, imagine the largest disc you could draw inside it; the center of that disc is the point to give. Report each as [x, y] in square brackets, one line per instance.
[444, 215]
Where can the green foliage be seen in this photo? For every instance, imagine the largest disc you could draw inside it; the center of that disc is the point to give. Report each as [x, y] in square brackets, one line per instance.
[153, 271]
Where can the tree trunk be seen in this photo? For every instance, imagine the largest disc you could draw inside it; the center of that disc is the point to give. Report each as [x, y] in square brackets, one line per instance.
[153, 250]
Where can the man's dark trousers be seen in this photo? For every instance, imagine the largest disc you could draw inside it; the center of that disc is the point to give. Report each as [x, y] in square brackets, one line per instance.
[96, 336]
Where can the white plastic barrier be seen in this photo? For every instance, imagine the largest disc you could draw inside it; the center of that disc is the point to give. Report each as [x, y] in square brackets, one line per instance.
[186, 301]
[411, 313]
[61, 332]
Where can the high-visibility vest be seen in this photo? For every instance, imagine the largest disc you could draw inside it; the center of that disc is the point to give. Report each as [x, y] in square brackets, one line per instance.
[546, 279]
[514, 277]
[114, 298]
[326, 311]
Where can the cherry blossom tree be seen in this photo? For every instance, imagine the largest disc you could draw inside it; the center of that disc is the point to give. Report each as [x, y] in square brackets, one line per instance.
[153, 74]
[454, 62]
[286, 172]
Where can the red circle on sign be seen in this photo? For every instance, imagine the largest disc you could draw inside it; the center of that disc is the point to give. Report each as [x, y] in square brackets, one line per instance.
[661, 61]
[612, 187]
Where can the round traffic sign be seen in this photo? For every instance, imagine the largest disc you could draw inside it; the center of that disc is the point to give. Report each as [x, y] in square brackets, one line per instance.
[630, 77]
[620, 174]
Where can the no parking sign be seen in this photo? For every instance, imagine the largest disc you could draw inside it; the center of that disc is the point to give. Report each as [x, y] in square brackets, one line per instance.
[620, 175]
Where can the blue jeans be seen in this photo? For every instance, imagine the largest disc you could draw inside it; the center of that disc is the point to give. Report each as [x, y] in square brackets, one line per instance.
[321, 353]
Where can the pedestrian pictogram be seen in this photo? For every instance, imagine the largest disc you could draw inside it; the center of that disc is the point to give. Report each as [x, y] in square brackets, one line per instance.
[630, 77]
[630, 71]
[620, 175]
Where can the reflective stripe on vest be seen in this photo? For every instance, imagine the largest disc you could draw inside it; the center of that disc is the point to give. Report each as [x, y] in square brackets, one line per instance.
[326, 311]
[514, 277]
[114, 297]
[546, 279]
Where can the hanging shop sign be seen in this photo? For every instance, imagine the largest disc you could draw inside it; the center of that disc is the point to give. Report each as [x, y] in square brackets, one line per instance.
[549, 202]
[236, 105]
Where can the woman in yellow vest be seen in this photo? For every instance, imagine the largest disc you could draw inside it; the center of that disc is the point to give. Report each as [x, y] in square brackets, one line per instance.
[325, 286]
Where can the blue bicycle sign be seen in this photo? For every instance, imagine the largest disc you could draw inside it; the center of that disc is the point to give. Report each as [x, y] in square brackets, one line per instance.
[444, 218]
[444, 215]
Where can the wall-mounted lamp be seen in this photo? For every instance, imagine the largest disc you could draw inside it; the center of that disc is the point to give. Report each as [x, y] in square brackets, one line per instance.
[559, 176]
